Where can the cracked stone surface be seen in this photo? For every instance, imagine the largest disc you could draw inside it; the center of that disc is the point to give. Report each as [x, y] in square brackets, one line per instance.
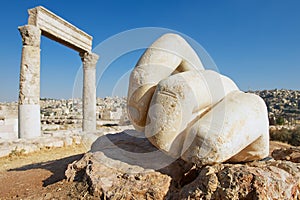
[114, 169]
[192, 113]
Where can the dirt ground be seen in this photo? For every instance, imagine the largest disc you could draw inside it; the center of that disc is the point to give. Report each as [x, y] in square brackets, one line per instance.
[40, 175]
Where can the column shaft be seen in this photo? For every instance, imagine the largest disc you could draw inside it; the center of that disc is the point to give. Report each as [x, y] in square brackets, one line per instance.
[29, 94]
[89, 61]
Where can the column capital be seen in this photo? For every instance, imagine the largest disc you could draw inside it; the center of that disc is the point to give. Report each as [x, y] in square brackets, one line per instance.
[89, 59]
[31, 35]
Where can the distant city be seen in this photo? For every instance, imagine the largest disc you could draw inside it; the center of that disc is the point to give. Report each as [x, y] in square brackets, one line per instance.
[283, 107]
[64, 114]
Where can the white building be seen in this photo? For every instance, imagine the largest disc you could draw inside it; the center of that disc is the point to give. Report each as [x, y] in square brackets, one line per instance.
[112, 114]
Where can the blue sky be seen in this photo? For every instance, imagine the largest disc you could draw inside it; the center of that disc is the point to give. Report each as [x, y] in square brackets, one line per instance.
[256, 43]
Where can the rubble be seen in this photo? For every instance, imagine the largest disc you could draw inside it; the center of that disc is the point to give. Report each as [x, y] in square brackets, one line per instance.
[25, 146]
[290, 154]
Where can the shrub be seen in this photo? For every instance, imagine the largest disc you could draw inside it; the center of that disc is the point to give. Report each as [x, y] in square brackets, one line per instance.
[295, 140]
[282, 135]
[280, 121]
[288, 136]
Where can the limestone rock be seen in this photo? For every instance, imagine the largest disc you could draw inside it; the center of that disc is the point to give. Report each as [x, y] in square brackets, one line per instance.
[193, 113]
[291, 154]
[31, 35]
[5, 151]
[112, 183]
[67, 141]
[257, 180]
[177, 101]
[119, 166]
[166, 55]
[127, 166]
[223, 133]
[58, 29]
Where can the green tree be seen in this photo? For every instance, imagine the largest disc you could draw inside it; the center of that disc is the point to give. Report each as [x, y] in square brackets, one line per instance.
[280, 121]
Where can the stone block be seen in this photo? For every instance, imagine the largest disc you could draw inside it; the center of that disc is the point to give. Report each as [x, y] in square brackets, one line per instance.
[77, 139]
[5, 152]
[59, 29]
[68, 140]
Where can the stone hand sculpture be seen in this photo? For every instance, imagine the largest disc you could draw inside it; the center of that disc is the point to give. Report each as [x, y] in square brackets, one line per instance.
[193, 113]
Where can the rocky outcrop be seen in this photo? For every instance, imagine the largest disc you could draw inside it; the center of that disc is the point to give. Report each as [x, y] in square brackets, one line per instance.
[127, 166]
[256, 180]
[113, 183]
[291, 154]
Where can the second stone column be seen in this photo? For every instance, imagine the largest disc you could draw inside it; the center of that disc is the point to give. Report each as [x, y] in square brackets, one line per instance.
[89, 61]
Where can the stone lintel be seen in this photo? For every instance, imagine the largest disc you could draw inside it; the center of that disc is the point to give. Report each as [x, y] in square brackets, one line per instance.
[58, 29]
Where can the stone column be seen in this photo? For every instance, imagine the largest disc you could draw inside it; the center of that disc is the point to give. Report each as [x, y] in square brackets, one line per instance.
[89, 61]
[29, 95]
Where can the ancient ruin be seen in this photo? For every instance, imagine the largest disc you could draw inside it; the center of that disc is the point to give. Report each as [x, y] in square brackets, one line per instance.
[188, 122]
[43, 22]
[192, 113]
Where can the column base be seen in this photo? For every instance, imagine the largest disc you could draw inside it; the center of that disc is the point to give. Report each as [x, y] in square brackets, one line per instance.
[89, 126]
[29, 121]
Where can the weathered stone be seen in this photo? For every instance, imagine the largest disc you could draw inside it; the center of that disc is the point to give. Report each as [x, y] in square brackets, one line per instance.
[42, 21]
[291, 154]
[116, 184]
[31, 35]
[54, 142]
[192, 94]
[166, 55]
[68, 140]
[48, 142]
[257, 180]
[89, 61]
[59, 29]
[5, 151]
[120, 166]
[29, 121]
[30, 66]
[124, 164]
[25, 147]
[224, 134]
[192, 113]
[89, 138]
[9, 129]
[29, 96]
[76, 139]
